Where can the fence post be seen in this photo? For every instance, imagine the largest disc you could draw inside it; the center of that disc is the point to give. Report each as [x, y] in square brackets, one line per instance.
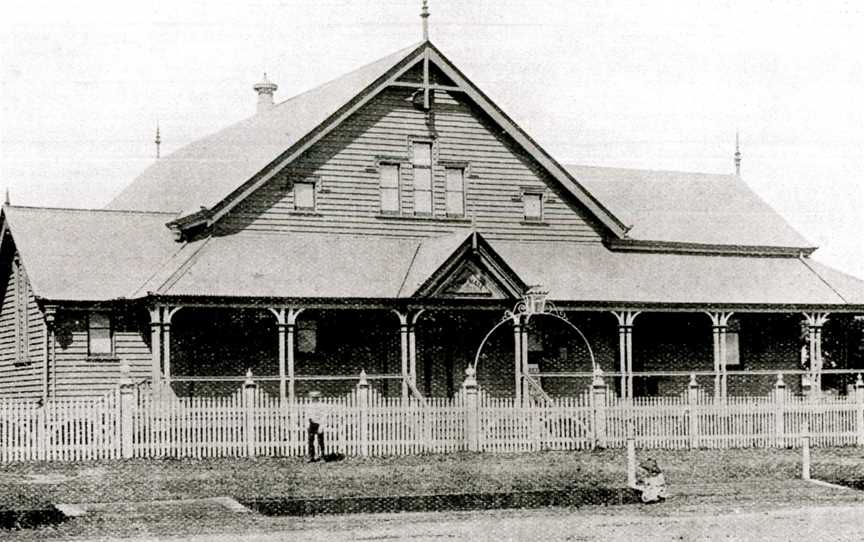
[779, 411]
[805, 451]
[859, 410]
[126, 405]
[692, 414]
[472, 411]
[631, 457]
[598, 404]
[249, 388]
[363, 413]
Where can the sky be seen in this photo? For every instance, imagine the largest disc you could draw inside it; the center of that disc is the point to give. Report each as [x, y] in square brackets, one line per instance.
[643, 84]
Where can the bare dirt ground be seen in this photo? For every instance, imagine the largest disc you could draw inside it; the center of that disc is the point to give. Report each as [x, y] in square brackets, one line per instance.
[822, 523]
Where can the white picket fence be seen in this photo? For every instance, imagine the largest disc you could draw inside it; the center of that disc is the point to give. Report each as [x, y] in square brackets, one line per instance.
[138, 423]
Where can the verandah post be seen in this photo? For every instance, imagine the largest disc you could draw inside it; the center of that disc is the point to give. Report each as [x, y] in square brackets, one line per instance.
[249, 389]
[598, 406]
[363, 413]
[125, 415]
[692, 412]
[779, 411]
[472, 411]
[859, 411]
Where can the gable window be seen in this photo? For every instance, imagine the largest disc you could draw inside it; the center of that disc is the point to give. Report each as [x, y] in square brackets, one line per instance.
[99, 337]
[421, 160]
[22, 324]
[532, 204]
[389, 179]
[304, 196]
[455, 190]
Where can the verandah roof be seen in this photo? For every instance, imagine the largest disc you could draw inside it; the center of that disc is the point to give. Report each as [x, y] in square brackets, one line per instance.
[330, 266]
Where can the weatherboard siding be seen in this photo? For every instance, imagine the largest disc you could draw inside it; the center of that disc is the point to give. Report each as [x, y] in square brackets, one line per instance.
[78, 375]
[20, 378]
[344, 163]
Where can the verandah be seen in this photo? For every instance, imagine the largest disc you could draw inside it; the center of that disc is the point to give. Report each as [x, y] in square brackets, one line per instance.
[423, 351]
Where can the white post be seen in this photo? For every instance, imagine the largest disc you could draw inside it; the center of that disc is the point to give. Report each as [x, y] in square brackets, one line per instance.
[779, 411]
[126, 406]
[472, 411]
[859, 410]
[631, 461]
[598, 402]
[156, 348]
[249, 388]
[363, 413]
[517, 360]
[693, 415]
[805, 451]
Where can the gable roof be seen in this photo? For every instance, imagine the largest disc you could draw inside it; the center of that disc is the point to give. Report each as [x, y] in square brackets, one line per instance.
[85, 254]
[207, 178]
[682, 207]
[208, 170]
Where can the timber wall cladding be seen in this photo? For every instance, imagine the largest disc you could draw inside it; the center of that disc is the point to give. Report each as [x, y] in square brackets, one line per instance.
[20, 377]
[344, 165]
[78, 375]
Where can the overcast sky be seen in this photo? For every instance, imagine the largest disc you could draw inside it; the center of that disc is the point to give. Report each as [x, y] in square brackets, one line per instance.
[646, 84]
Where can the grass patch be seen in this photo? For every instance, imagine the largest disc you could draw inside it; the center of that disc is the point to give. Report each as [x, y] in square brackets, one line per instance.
[37, 484]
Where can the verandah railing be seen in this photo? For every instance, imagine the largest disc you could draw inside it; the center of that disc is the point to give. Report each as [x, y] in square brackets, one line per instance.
[137, 422]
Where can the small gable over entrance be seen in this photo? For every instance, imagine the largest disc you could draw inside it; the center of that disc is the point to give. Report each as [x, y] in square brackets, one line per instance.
[473, 271]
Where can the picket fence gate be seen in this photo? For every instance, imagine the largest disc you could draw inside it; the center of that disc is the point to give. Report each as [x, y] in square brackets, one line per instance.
[133, 422]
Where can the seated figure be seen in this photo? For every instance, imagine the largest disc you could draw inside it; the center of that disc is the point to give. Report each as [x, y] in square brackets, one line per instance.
[651, 482]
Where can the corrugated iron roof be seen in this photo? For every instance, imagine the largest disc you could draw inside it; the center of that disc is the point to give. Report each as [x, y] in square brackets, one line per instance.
[331, 266]
[206, 171]
[681, 207]
[89, 255]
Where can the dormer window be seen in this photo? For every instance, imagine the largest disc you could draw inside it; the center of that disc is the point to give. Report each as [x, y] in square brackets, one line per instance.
[304, 196]
[532, 204]
[421, 160]
[389, 184]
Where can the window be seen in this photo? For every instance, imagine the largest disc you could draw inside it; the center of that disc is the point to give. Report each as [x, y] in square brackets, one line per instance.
[532, 203]
[307, 336]
[99, 334]
[22, 325]
[389, 188]
[455, 191]
[304, 196]
[421, 159]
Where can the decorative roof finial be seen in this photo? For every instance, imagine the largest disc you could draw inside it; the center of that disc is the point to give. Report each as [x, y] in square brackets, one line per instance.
[7, 202]
[737, 155]
[158, 140]
[424, 15]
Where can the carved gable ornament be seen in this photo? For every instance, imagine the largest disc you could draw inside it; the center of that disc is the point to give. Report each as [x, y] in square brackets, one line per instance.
[470, 281]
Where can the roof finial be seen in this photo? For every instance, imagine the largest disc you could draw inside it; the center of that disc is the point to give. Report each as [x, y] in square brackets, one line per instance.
[7, 202]
[737, 155]
[424, 15]
[265, 90]
[158, 140]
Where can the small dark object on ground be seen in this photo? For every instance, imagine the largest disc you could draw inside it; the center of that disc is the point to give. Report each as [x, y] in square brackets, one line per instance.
[330, 458]
[30, 519]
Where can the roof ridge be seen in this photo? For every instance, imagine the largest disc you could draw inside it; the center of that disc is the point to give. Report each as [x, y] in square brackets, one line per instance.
[90, 209]
[347, 74]
[823, 279]
[651, 170]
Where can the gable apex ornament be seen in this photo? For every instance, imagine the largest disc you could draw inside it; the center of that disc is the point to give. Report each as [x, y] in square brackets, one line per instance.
[424, 16]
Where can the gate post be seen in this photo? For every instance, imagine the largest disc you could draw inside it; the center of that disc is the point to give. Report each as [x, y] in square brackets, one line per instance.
[859, 411]
[363, 413]
[598, 403]
[779, 411]
[472, 411]
[125, 418]
[692, 414]
[249, 388]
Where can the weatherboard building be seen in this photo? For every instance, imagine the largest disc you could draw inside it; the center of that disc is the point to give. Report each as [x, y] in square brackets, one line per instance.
[385, 222]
